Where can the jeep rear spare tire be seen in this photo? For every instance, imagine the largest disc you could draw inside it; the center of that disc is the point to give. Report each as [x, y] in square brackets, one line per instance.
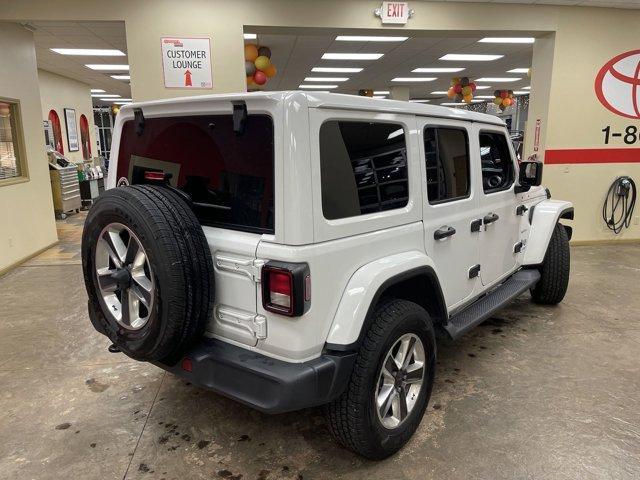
[148, 271]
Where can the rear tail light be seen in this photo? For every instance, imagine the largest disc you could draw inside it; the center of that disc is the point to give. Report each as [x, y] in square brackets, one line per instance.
[154, 176]
[286, 288]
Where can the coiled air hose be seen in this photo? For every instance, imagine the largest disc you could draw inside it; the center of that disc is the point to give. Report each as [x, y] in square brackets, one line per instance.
[619, 203]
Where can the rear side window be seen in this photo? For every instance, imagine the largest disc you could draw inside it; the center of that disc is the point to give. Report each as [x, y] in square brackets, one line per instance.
[447, 163]
[363, 167]
[497, 165]
[229, 176]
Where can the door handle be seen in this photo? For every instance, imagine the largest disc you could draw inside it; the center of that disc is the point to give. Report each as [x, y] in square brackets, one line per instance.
[444, 232]
[490, 218]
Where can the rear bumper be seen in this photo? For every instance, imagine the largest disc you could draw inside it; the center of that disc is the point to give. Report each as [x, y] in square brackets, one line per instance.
[261, 382]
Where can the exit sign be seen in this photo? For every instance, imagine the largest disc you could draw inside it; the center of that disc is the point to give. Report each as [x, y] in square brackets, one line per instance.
[394, 12]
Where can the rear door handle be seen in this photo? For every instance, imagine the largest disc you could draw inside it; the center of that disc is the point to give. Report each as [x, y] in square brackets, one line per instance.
[444, 232]
[490, 218]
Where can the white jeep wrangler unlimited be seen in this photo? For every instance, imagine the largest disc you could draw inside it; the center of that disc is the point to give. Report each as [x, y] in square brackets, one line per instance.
[293, 249]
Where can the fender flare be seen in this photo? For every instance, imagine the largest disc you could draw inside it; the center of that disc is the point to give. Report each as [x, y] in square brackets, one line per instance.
[364, 289]
[543, 219]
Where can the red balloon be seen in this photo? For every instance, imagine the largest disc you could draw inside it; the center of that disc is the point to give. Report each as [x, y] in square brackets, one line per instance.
[473, 86]
[259, 77]
[504, 94]
[457, 88]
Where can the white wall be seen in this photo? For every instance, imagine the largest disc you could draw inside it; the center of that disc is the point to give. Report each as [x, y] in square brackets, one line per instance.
[27, 222]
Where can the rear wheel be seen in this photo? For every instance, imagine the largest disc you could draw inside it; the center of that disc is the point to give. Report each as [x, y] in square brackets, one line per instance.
[390, 384]
[554, 271]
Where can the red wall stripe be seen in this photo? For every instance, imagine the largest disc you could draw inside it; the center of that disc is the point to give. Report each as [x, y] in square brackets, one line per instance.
[592, 155]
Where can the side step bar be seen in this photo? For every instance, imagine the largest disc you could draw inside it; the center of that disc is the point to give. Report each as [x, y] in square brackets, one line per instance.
[473, 315]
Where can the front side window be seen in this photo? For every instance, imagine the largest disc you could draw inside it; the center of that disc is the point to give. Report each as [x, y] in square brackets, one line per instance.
[11, 165]
[363, 167]
[497, 165]
[447, 163]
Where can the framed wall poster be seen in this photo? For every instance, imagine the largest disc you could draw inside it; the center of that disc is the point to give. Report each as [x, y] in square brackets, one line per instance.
[72, 129]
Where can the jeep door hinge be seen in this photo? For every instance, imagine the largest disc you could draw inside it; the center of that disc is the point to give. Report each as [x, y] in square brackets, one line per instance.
[474, 271]
[517, 248]
[246, 266]
[521, 209]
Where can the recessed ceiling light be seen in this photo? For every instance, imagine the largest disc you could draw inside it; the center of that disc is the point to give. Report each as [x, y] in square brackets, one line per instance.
[336, 69]
[462, 57]
[326, 79]
[437, 70]
[483, 87]
[419, 101]
[107, 67]
[104, 95]
[115, 99]
[317, 86]
[498, 79]
[97, 90]
[352, 56]
[507, 40]
[413, 79]
[527, 88]
[439, 92]
[368, 38]
[250, 36]
[521, 92]
[477, 101]
[518, 70]
[381, 92]
[121, 77]
[99, 52]
[485, 96]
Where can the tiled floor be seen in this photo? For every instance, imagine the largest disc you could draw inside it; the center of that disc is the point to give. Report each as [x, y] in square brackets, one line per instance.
[534, 393]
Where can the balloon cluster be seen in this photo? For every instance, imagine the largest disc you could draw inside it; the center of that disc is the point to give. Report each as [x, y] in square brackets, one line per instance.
[461, 89]
[504, 98]
[257, 64]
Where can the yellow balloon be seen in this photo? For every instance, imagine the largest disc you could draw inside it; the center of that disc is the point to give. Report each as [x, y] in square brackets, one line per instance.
[262, 62]
[467, 98]
[250, 52]
[467, 90]
[497, 101]
[455, 81]
[270, 71]
[451, 93]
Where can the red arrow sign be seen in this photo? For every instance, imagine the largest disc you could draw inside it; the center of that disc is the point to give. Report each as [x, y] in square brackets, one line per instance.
[187, 79]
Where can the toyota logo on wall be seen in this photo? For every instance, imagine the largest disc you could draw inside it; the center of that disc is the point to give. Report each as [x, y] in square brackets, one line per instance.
[618, 84]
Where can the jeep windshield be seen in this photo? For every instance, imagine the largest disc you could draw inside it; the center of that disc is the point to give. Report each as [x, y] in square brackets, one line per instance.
[228, 175]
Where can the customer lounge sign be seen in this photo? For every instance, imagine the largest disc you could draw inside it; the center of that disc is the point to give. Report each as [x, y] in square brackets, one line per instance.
[186, 62]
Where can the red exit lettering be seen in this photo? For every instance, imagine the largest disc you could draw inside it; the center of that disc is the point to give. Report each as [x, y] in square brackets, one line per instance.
[395, 10]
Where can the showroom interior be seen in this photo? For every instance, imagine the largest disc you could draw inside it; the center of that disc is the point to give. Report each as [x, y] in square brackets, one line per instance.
[533, 392]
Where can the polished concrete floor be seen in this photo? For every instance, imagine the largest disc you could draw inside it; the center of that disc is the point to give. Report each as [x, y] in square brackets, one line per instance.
[534, 393]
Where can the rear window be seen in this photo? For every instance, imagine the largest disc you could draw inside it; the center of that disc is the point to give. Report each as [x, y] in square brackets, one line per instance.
[229, 176]
[363, 167]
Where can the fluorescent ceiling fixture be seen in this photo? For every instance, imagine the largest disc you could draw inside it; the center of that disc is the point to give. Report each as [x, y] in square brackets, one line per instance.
[483, 87]
[107, 67]
[439, 92]
[111, 99]
[462, 57]
[368, 38]
[250, 36]
[521, 92]
[352, 56]
[498, 79]
[395, 133]
[99, 52]
[97, 90]
[326, 79]
[121, 77]
[518, 70]
[336, 69]
[437, 70]
[527, 88]
[413, 79]
[507, 40]
[317, 86]
[121, 102]
[419, 101]
[381, 92]
[477, 101]
[105, 95]
[453, 103]
[488, 97]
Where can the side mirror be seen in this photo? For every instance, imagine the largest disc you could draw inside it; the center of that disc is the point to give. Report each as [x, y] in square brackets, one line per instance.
[530, 175]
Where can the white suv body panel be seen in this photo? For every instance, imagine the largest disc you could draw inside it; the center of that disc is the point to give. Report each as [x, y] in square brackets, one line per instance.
[350, 258]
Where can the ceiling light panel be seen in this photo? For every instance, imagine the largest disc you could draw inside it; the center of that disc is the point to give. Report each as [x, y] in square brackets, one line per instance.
[498, 79]
[107, 67]
[336, 69]
[439, 92]
[97, 90]
[352, 56]
[464, 57]
[437, 70]
[311, 87]
[326, 79]
[104, 95]
[518, 70]
[413, 79]
[250, 36]
[121, 77]
[89, 52]
[381, 92]
[368, 38]
[105, 99]
[507, 40]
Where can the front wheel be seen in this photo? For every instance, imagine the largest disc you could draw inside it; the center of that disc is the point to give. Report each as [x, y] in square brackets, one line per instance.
[390, 384]
[554, 271]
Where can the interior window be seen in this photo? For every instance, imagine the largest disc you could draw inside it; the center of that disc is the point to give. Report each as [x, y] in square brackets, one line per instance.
[363, 168]
[447, 162]
[497, 165]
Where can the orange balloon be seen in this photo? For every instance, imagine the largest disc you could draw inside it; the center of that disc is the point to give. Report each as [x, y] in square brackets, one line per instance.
[506, 102]
[250, 52]
[270, 71]
[467, 98]
[250, 80]
[451, 93]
